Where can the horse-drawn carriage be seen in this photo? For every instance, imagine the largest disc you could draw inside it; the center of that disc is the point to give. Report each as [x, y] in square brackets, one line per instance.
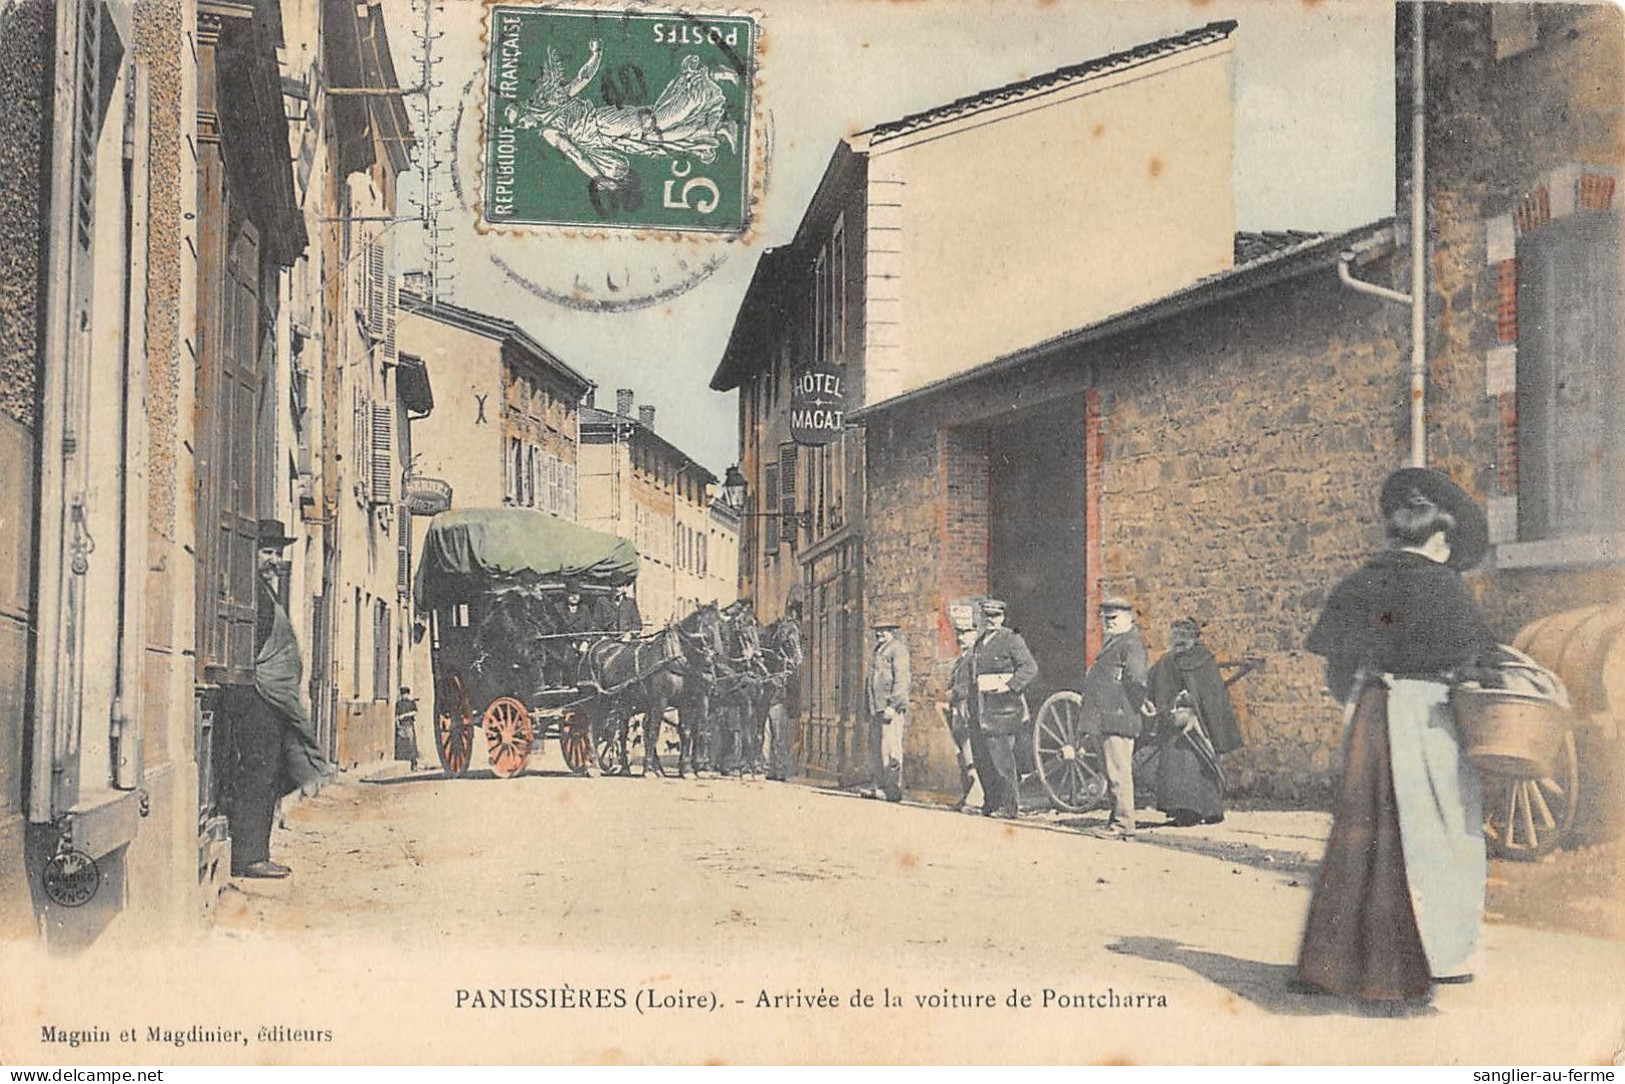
[491, 583]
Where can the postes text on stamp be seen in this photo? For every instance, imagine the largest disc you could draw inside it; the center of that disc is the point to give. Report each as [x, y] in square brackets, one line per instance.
[634, 120]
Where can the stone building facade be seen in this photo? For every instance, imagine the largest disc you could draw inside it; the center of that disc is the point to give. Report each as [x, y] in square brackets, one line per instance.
[1216, 452]
[505, 428]
[640, 486]
[163, 388]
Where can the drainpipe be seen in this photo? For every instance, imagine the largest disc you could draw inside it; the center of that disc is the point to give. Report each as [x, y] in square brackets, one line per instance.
[1417, 298]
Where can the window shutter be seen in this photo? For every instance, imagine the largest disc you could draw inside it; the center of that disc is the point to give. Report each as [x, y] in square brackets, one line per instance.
[403, 554]
[375, 290]
[361, 445]
[770, 501]
[789, 461]
[392, 305]
[383, 459]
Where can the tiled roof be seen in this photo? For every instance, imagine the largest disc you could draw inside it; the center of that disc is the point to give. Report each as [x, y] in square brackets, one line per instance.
[1262, 260]
[1088, 69]
[1251, 247]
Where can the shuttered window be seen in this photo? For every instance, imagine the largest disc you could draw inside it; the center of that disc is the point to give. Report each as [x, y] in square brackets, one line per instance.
[383, 454]
[403, 552]
[770, 501]
[789, 466]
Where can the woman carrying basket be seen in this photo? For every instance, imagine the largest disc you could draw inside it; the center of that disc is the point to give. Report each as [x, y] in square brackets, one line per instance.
[1400, 899]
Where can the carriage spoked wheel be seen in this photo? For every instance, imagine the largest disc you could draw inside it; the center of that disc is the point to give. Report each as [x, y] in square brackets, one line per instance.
[1068, 754]
[1527, 818]
[508, 736]
[576, 741]
[606, 741]
[453, 724]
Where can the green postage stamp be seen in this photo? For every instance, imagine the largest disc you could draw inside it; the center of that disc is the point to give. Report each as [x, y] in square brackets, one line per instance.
[618, 119]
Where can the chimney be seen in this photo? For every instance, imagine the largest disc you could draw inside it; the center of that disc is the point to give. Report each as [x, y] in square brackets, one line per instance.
[590, 400]
[623, 402]
[646, 415]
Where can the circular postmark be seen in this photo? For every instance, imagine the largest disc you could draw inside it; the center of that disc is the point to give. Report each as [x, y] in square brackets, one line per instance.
[71, 878]
[695, 74]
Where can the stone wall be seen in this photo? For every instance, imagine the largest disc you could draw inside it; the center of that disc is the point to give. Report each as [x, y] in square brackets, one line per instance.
[27, 34]
[1496, 129]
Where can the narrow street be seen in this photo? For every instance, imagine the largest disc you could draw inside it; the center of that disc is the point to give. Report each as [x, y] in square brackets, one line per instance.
[753, 889]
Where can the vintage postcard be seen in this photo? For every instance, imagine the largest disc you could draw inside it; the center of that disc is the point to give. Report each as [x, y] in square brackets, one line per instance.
[811, 531]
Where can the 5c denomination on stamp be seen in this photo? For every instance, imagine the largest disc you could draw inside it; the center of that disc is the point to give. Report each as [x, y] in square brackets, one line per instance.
[618, 119]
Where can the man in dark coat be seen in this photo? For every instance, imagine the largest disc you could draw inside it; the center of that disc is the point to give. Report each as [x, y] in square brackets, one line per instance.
[577, 624]
[1002, 668]
[1113, 702]
[273, 743]
[618, 613]
[1196, 725]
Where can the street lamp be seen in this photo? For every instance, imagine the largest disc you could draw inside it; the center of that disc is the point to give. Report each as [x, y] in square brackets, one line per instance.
[735, 490]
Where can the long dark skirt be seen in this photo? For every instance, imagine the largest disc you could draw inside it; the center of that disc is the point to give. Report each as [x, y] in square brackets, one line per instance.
[1361, 939]
[1184, 784]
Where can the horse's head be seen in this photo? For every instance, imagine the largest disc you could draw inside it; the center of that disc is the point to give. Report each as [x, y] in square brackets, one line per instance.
[701, 633]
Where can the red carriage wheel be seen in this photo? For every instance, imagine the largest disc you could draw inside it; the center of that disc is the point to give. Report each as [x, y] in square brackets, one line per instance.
[575, 741]
[508, 735]
[453, 724]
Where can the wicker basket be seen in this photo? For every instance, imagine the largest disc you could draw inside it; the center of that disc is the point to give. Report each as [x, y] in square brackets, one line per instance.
[1516, 731]
[1506, 733]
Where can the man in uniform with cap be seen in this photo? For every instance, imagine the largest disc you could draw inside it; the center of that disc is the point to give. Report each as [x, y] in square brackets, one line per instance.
[1002, 668]
[1114, 699]
[960, 718]
[889, 679]
[273, 743]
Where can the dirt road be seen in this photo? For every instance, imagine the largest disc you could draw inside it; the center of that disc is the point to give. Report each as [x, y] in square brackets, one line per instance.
[761, 896]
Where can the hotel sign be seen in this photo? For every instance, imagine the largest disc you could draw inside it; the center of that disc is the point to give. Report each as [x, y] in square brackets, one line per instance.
[817, 406]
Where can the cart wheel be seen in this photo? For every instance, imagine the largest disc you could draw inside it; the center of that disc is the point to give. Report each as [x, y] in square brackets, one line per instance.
[453, 724]
[575, 741]
[608, 738]
[1067, 754]
[508, 734]
[1526, 818]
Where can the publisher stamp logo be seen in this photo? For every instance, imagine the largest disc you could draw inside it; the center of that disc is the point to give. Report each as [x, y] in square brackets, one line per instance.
[616, 119]
[71, 879]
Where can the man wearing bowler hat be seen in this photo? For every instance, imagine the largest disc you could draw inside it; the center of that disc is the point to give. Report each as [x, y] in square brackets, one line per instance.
[1113, 702]
[274, 745]
[889, 680]
[1001, 670]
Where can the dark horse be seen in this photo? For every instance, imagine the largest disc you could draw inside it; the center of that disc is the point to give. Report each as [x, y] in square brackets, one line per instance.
[675, 667]
[781, 655]
[741, 681]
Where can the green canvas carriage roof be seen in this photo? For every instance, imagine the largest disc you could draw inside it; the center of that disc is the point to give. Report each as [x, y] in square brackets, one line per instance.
[469, 551]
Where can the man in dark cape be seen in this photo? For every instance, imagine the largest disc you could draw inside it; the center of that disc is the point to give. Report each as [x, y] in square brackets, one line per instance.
[1196, 724]
[274, 744]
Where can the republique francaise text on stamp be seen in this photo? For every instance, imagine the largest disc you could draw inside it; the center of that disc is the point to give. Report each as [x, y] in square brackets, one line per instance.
[617, 119]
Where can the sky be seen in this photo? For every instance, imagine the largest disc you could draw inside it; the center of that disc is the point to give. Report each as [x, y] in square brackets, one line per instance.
[1314, 138]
